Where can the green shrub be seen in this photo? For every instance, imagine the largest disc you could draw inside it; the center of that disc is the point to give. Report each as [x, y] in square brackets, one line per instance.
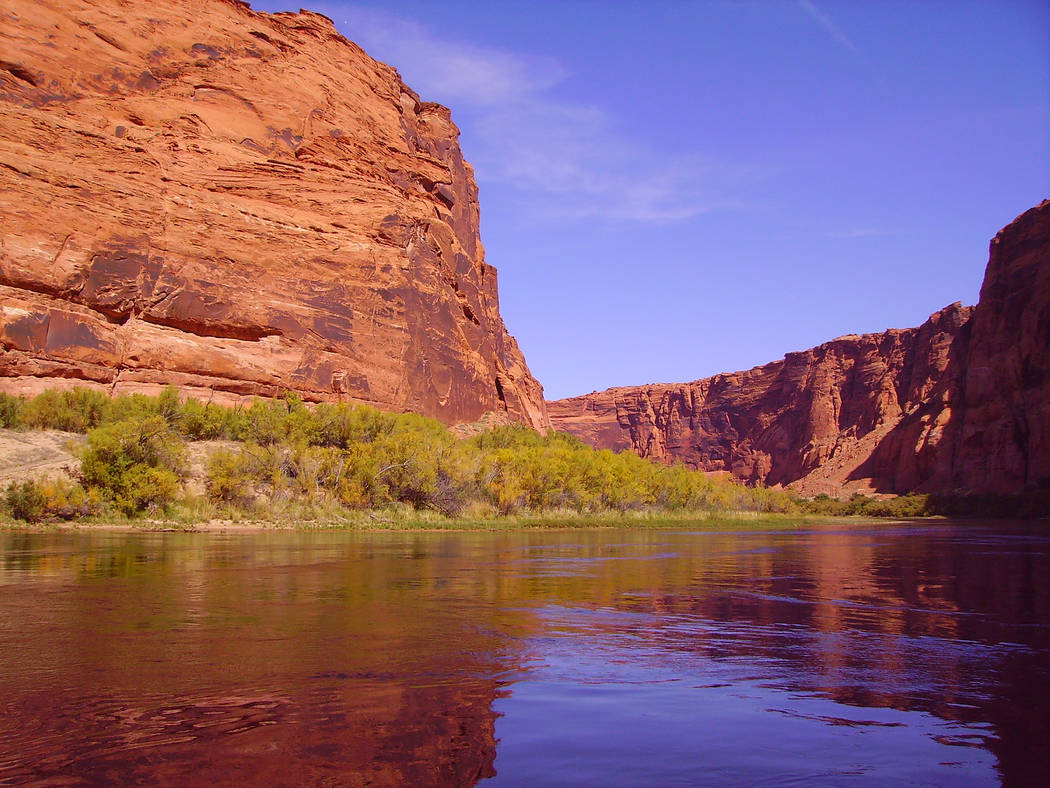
[264, 422]
[199, 421]
[136, 464]
[65, 500]
[130, 407]
[410, 460]
[229, 478]
[331, 456]
[75, 410]
[11, 411]
[343, 426]
[823, 504]
[24, 502]
[50, 499]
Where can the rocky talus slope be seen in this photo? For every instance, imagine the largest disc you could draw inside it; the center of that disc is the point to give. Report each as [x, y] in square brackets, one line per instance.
[237, 203]
[960, 403]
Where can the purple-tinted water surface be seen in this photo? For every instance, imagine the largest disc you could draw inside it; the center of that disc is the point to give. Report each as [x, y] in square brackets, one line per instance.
[834, 655]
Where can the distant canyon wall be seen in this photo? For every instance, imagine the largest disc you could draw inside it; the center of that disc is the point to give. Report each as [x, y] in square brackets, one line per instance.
[238, 204]
[960, 403]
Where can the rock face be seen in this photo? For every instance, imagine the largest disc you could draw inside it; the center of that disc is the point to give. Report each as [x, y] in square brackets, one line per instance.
[990, 415]
[816, 414]
[961, 402]
[1004, 429]
[237, 203]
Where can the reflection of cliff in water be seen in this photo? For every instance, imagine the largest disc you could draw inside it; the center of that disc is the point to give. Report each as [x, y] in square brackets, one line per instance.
[183, 661]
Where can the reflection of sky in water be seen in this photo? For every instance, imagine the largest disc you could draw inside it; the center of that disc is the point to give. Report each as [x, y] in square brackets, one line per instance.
[623, 699]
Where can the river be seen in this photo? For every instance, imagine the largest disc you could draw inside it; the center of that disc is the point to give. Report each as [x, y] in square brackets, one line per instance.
[840, 654]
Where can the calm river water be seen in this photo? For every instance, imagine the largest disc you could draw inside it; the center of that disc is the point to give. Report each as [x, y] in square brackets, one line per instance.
[836, 655]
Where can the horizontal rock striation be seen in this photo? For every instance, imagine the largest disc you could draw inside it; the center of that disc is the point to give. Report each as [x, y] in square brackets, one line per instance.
[960, 403]
[238, 204]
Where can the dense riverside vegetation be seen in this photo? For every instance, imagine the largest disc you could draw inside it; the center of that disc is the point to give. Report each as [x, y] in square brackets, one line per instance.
[283, 458]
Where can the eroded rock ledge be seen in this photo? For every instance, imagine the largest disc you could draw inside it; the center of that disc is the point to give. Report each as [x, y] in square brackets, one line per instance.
[238, 203]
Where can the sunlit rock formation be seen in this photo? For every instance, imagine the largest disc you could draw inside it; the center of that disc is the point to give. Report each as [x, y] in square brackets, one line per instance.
[238, 204]
[960, 403]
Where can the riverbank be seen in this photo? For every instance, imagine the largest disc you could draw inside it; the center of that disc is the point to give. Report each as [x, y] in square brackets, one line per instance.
[78, 456]
[433, 522]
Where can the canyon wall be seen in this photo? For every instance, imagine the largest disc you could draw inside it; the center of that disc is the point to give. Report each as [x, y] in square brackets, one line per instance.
[238, 204]
[960, 403]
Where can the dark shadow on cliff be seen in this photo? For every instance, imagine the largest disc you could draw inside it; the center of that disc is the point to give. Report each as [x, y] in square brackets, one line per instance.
[917, 454]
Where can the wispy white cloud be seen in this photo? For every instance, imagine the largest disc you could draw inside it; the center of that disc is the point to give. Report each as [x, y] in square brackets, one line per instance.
[569, 155]
[575, 156]
[453, 70]
[828, 24]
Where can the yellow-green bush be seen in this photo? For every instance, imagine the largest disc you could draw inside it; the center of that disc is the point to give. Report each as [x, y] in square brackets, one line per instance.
[136, 464]
[50, 499]
[199, 421]
[358, 457]
[229, 477]
[11, 408]
[75, 410]
[24, 501]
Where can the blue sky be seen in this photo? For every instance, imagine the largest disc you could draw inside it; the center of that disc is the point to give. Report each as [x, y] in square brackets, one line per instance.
[675, 189]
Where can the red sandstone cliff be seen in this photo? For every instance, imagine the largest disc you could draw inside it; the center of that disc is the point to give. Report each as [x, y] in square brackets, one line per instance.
[962, 402]
[986, 426]
[1003, 432]
[818, 413]
[237, 203]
